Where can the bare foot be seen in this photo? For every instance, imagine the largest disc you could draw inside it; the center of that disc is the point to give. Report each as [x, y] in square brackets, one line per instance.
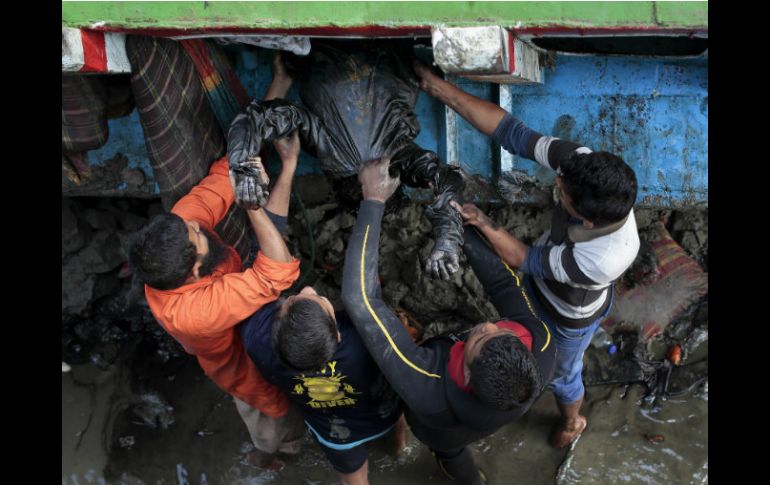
[263, 460]
[567, 433]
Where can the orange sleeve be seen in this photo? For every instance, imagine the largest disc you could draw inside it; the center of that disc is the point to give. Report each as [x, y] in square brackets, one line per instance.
[235, 373]
[209, 201]
[236, 296]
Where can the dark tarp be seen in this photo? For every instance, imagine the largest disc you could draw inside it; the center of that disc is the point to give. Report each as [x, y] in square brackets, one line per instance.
[358, 106]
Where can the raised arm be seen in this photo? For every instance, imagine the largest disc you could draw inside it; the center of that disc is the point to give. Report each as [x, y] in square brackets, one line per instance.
[483, 115]
[288, 150]
[272, 119]
[490, 119]
[507, 247]
[410, 369]
[282, 80]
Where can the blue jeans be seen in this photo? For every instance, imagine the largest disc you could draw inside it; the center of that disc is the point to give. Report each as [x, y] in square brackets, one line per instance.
[571, 344]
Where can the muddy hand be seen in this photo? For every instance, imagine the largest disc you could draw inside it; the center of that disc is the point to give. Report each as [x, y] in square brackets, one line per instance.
[444, 260]
[471, 214]
[250, 181]
[376, 182]
[424, 73]
[288, 148]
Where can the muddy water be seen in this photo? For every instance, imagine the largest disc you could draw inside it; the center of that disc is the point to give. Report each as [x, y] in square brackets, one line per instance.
[627, 441]
[136, 410]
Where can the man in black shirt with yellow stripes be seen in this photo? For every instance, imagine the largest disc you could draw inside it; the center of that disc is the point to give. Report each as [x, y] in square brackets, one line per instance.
[456, 391]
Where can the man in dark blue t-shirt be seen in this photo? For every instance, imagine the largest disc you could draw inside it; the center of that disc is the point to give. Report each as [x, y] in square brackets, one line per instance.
[315, 355]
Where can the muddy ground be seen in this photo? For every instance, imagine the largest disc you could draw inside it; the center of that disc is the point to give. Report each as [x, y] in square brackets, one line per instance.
[137, 409]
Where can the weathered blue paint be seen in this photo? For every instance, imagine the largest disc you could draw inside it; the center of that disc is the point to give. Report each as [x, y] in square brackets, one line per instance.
[475, 151]
[126, 137]
[651, 111]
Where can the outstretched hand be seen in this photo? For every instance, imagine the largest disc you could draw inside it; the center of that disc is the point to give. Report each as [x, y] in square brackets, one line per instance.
[424, 73]
[472, 215]
[288, 148]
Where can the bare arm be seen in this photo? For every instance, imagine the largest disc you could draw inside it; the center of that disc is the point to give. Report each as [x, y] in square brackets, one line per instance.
[483, 115]
[510, 249]
[270, 242]
[269, 239]
[288, 150]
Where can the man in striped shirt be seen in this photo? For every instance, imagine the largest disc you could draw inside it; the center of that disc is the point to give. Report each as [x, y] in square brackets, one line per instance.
[571, 269]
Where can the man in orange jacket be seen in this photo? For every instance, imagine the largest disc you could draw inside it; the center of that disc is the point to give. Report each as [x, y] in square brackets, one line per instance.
[197, 292]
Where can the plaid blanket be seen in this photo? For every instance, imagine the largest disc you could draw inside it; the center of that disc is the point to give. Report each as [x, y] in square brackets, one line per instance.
[83, 122]
[223, 88]
[83, 113]
[182, 134]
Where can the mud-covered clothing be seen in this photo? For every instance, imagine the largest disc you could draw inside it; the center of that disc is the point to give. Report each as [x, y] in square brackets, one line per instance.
[346, 402]
[439, 413]
[202, 316]
[574, 268]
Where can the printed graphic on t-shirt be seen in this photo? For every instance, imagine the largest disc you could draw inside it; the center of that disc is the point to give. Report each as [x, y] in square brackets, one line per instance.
[327, 390]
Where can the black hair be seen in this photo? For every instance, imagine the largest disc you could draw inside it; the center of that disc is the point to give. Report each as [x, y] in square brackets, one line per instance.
[505, 373]
[161, 254]
[601, 185]
[304, 335]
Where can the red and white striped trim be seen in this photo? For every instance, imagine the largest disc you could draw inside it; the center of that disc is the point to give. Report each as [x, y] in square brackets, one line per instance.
[93, 51]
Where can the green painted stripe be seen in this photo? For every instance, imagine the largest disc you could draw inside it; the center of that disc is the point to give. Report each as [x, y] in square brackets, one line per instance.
[192, 15]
